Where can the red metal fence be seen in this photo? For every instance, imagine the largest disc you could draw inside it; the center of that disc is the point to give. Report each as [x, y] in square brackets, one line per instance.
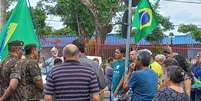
[106, 51]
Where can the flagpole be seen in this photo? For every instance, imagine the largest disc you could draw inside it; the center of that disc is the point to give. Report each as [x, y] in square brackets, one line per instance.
[128, 36]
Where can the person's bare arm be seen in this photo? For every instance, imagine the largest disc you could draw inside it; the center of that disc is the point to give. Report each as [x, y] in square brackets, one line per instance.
[95, 97]
[187, 86]
[131, 70]
[48, 98]
[11, 88]
[119, 86]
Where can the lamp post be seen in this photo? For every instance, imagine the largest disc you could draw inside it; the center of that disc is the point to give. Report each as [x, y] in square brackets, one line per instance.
[171, 35]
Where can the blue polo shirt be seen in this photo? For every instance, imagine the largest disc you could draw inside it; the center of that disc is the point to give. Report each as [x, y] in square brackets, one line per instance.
[143, 84]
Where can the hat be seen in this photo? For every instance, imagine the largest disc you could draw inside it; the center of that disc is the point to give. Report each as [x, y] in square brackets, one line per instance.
[167, 50]
[29, 46]
[15, 43]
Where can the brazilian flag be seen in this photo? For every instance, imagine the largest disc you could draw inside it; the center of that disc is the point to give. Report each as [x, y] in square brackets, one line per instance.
[144, 20]
[18, 27]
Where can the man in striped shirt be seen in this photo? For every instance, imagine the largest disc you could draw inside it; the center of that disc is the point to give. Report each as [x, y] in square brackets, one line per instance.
[71, 81]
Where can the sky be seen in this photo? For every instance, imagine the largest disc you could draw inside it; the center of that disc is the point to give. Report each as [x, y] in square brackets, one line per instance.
[178, 12]
[181, 12]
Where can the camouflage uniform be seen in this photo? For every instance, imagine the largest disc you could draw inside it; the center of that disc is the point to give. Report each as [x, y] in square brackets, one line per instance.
[32, 73]
[9, 71]
[1, 80]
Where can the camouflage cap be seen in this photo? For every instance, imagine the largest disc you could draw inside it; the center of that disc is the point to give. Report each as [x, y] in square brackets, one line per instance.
[15, 43]
[29, 46]
[167, 50]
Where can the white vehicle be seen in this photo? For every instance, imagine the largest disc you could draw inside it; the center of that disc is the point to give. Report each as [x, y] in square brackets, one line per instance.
[89, 57]
[97, 57]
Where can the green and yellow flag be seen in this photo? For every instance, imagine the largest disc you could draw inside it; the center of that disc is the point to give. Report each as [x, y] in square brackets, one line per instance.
[144, 20]
[18, 27]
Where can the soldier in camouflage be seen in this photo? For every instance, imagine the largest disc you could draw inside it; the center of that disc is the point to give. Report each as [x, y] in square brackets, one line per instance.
[11, 80]
[32, 71]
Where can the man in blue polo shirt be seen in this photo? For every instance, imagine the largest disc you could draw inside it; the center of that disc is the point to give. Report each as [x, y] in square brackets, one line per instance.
[196, 69]
[143, 83]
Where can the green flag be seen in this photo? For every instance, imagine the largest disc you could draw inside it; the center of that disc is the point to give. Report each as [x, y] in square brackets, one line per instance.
[18, 27]
[144, 20]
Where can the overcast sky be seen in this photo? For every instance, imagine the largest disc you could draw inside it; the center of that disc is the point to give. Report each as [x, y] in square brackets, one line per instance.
[178, 12]
[181, 12]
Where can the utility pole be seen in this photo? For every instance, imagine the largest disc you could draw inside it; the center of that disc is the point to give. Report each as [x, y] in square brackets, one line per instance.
[2, 13]
[128, 35]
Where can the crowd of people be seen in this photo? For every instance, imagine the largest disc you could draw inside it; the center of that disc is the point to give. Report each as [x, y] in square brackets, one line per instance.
[73, 77]
[164, 77]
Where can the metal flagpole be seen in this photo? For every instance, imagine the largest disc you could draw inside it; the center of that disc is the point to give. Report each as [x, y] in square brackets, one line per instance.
[128, 36]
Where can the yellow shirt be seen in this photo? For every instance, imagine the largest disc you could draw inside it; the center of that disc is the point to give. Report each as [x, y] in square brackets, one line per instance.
[157, 68]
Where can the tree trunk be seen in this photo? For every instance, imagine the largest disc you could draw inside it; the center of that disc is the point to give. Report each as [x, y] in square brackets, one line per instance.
[98, 26]
[2, 13]
[78, 25]
[82, 34]
[101, 30]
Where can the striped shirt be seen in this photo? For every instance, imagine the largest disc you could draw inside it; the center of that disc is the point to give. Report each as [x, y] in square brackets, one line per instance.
[71, 81]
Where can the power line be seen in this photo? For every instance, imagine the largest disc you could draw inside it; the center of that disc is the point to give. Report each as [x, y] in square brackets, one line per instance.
[117, 23]
[187, 24]
[53, 20]
[184, 1]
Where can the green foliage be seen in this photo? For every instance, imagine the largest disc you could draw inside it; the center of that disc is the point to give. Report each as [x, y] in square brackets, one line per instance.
[74, 13]
[64, 31]
[8, 3]
[105, 8]
[197, 35]
[164, 25]
[187, 28]
[156, 36]
[39, 17]
[193, 29]
[45, 31]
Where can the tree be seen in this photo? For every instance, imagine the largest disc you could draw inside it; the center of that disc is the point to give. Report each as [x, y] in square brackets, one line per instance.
[164, 25]
[87, 17]
[2, 13]
[76, 16]
[38, 16]
[193, 29]
[63, 31]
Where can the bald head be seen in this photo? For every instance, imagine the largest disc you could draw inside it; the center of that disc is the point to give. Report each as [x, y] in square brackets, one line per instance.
[71, 52]
[160, 58]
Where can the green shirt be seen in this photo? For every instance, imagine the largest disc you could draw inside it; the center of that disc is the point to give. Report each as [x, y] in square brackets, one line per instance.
[118, 72]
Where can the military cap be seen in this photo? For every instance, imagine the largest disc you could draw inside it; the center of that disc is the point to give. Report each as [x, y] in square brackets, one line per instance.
[167, 50]
[16, 43]
[28, 47]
